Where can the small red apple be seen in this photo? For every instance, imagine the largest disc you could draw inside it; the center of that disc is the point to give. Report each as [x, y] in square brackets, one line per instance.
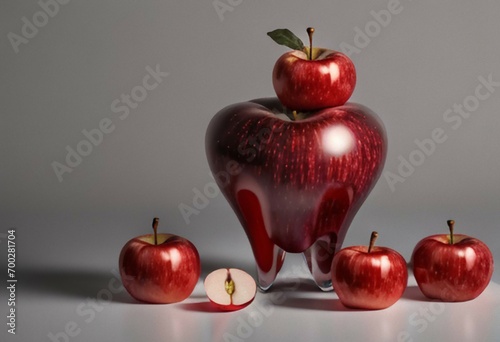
[159, 268]
[311, 78]
[369, 277]
[453, 268]
[230, 289]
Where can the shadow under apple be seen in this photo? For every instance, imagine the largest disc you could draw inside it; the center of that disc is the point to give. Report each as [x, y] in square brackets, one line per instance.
[317, 304]
[74, 283]
[205, 306]
[414, 293]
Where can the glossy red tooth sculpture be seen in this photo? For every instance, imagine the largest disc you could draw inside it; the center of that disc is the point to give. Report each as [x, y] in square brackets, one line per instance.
[295, 185]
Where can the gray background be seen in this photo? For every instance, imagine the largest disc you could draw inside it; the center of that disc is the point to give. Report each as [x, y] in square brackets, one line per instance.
[64, 80]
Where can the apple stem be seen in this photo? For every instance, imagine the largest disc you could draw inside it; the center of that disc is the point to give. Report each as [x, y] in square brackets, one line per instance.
[229, 285]
[155, 227]
[310, 31]
[294, 113]
[373, 238]
[451, 225]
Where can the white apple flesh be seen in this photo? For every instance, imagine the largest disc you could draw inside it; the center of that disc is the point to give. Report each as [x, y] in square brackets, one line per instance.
[230, 289]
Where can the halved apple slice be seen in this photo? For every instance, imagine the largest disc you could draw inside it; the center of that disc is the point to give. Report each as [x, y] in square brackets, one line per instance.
[230, 289]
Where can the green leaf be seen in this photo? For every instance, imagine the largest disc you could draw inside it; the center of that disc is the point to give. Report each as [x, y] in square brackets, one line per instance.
[287, 38]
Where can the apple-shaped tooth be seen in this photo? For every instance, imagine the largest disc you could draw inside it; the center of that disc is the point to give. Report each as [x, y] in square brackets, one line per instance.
[230, 289]
[295, 186]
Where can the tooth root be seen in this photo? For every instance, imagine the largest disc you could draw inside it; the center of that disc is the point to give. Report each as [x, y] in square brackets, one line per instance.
[319, 260]
[268, 256]
[267, 276]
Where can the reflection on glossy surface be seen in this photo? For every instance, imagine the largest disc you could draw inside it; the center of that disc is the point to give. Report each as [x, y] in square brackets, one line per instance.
[301, 315]
[295, 185]
[337, 140]
[289, 314]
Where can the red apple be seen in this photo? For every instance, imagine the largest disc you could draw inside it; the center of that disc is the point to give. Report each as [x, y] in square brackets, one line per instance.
[453, 268]
[295, 185]
[230, 289]
[311, 78]
[159, 268]
[369, 277]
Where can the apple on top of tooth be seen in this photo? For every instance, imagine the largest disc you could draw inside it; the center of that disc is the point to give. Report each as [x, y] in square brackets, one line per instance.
[311, 78]
[297, 184]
